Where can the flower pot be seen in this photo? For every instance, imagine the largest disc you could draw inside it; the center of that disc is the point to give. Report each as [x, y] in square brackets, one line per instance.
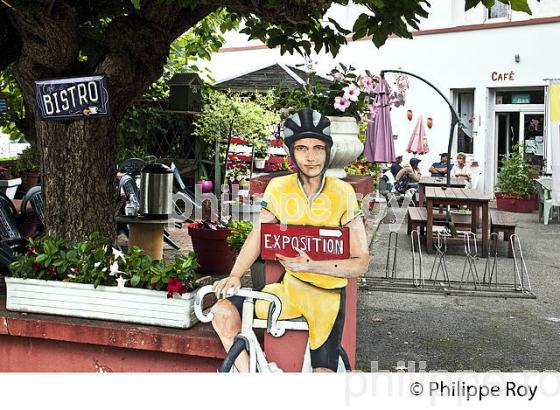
[31, 178]
[346, 148]
[260, 163]
[460, 218]
[512, 203]
[144, 306]
[214, 255]
[206, 186]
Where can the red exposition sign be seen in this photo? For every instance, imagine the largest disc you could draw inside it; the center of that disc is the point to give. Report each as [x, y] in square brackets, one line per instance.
[319, 243]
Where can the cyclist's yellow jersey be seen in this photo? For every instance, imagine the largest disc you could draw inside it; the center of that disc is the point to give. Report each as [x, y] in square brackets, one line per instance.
[334, 205]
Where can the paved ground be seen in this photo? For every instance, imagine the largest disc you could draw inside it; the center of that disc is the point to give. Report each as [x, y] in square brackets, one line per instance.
[460, 333]
[465, 333]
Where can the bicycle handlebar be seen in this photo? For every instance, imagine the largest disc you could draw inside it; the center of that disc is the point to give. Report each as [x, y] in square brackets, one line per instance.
[274, 312]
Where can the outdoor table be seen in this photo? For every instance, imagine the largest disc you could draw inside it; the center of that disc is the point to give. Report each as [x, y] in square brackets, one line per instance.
[145, 233]
[436, 182]
[472, 198]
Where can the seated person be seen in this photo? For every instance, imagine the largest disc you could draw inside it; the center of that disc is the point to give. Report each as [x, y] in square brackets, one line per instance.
[439, 169]
[461, 169]
[409, 176]
[396, 166]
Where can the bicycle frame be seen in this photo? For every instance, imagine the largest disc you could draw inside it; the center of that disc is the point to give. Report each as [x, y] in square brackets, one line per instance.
[257, 357]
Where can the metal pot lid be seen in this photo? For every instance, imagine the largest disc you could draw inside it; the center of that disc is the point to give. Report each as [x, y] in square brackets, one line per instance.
[156, 169]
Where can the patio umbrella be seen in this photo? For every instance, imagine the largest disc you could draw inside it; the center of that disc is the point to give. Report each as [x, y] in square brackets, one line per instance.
[418, 143]
[379, 145]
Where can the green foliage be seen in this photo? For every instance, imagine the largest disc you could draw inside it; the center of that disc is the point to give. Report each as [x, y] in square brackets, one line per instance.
[187, 50]
[227, 113]
[515, 175]
[240, 230]
[93, 261]
[326, 101]
[143, 128]
[9, 122]
[27, 161]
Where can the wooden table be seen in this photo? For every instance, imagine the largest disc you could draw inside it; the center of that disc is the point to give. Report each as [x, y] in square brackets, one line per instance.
[472, 198]
[436, 182]
[147, 234]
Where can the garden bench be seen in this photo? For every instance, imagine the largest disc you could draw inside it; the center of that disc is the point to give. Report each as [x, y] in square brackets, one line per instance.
[502, 222]
[417, 218]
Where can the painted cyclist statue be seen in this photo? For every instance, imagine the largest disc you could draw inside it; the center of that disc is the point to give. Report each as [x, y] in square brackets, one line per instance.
[309, 288]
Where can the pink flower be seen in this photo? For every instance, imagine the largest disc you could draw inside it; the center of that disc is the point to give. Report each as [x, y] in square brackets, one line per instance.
[338, 76]
[366, 83]
[351, 92]
[341, 103]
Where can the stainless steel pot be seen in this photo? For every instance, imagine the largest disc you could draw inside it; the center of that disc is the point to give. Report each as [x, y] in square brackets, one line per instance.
[156, 185]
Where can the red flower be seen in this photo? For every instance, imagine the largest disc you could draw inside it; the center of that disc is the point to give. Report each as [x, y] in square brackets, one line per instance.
[36, 266]
[32, 250]
[175, 285]
[52, 272]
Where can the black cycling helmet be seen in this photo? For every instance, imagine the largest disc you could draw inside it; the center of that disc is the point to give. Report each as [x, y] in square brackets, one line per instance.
[307, 123]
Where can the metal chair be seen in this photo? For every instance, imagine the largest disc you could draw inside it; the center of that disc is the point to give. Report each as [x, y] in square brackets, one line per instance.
[132, 166]
[9, 231]
[34, 196]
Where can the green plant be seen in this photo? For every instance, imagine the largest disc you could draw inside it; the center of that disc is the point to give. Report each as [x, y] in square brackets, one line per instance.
[260, 148]
[514, 178]
[93, 261]
[240, 230]
[237, 174]
[27, 161]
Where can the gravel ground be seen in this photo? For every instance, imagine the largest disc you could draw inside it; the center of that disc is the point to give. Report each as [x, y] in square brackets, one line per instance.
[463, 332]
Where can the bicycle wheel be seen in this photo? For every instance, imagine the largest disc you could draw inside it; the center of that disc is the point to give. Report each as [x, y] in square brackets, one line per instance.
[239, 345]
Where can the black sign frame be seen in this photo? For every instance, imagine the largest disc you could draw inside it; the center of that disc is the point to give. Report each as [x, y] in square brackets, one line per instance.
[77, 101]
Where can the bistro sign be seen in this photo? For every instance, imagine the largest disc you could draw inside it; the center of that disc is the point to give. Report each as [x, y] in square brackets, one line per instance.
[72, 98]
[319, 243]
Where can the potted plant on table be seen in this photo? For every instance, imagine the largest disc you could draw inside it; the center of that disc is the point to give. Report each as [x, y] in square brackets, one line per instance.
[461, 216]
[516, 188]
[91, 279]
[27, 167]
[260, 152]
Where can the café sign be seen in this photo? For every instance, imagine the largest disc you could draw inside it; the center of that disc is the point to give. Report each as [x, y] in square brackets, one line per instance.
[319, 243]
[72, 98]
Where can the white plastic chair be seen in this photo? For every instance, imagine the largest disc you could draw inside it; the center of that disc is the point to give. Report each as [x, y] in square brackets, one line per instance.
[544, 186]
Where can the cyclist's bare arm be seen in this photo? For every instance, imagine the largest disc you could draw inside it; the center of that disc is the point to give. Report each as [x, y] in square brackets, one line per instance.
[247, 256]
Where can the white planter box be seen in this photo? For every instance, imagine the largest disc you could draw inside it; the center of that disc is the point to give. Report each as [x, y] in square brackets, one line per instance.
[144, 306]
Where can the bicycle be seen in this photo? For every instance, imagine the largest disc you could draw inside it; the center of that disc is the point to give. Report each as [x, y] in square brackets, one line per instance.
[247, 341]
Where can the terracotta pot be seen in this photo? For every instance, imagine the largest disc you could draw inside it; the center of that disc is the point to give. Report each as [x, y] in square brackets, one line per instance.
[215, 257]
[429, 122]
[409, 115]
[511, 203]
[31, 178]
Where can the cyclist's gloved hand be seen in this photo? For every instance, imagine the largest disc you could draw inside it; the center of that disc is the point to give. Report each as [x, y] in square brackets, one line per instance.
[221, 287]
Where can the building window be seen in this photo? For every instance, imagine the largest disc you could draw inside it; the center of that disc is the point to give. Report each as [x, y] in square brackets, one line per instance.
[465, 109]
[499, 11]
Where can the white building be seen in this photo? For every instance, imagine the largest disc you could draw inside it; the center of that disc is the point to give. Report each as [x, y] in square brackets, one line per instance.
[493, 66]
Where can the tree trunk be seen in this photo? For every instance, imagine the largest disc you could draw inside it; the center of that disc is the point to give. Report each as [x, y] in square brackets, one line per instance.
[78, 158]
[79, 169]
